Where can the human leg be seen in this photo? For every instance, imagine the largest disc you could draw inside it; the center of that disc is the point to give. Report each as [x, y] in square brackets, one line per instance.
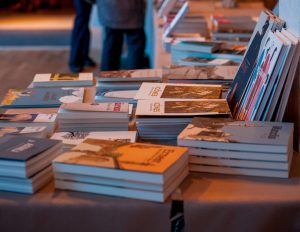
[112, 49]
[136, 42]
[80, 37]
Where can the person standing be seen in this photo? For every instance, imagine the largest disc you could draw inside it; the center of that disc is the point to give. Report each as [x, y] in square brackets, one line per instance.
[122, 19]
[80, 38]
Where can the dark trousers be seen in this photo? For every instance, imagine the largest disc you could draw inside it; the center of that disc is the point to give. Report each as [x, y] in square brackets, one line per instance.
[112, 48]
[80, 38]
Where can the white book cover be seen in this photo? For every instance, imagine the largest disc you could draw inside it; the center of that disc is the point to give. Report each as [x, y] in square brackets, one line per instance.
[182, 107]
[112, 107]
[178, 91]
[166, 7]
[75, 138]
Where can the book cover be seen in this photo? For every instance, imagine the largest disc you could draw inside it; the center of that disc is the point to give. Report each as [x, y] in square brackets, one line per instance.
[130, 75]
[226, 133]
[60, 79]
[30, 118]
[21, 148]
[178, 91]
[239, 85]
[182, 107]
[21, 130]
[261, 74]
[124, 156]
[112, 107]
[41, 97]
[226, 72]
[75, 138]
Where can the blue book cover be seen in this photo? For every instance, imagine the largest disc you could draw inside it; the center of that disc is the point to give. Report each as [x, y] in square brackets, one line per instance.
[41, 97]
[21, 148]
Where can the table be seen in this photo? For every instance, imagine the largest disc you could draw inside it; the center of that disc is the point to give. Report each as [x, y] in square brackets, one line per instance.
[212, 202]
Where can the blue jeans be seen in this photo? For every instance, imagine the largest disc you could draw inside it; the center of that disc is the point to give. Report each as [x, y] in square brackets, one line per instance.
[80, 39]
[112, 48]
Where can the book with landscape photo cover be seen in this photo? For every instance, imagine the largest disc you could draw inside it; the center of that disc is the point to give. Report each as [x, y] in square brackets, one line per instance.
[61, 79]
[41, 97]
[130, 75]
[123, 156]
[74, 138]
[182, 107]
[226, 72]
[220, 133]
[178, 91]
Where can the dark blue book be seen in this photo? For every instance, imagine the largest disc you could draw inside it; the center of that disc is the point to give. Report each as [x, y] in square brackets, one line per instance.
[22, 156]
[41, 97]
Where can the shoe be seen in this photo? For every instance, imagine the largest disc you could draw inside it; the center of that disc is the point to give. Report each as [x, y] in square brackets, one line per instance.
[89, 62]
[75, 69]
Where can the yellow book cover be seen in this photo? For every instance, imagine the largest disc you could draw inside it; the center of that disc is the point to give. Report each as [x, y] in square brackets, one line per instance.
[141, 157]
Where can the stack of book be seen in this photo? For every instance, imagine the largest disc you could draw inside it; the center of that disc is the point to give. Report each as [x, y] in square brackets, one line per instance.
[164, 109]
[105, 116]
[62, 80]
[41, 97]
[29, 120]
[232, 28]
[133, 170]
[239, 147]
[183, 24]
[222, 75]
[122, 85]
[228, 52]
[165, 119]
[26, 162]
[72, 139]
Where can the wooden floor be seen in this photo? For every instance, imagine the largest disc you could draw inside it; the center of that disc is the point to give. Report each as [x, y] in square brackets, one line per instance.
[17, 68]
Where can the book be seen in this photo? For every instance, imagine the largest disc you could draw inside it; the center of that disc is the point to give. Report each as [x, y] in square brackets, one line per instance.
[62, 80]
[182, 107]
[148, 163]
[228, 134]
[129, 192]
[71, 139]
[178, 91]
[179, 16]
[94, 110]
[28, 120]
[198, 46]
[262, 72]
[166, 7]
[209, 73]
[24, 156]
[26, 185]
[239, 171]
[30, 131]
[267, 21]
[196, 61]
[41, 97]
[130, 75]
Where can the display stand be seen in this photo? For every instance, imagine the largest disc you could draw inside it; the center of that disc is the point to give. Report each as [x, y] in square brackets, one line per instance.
[289, 11]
